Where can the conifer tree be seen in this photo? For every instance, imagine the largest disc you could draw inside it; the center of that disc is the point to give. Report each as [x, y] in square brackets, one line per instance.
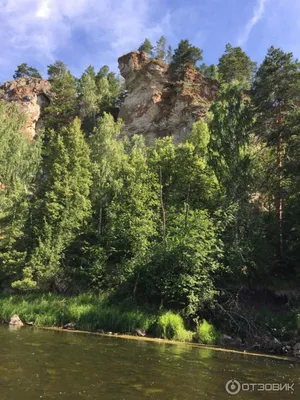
[64, 106]
[61, 209]
[24, 70]
[19, 164]
[276, 95]
[146, 47]
[184, 54]
[169, 55]
[235, 64]
[160, 48]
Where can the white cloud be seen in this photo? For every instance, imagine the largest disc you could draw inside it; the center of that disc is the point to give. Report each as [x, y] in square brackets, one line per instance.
[257, 15]
[39, 29]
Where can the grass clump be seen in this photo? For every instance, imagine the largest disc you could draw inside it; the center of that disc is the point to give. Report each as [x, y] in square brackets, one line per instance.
[171, 326]
[206, 333]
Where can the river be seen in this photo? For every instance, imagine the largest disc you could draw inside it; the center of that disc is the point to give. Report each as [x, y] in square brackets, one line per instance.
[41, 364]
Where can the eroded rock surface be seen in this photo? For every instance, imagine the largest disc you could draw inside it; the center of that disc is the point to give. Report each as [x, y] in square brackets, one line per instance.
[15, 321]
[31, 95]
[157, 106]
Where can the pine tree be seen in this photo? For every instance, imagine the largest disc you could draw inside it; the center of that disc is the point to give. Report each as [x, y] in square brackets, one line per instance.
[63, 107]
[184, 54]
[235, 65]
[24, 70]
[146, 47]
[160, 48]
[276, 94]
[169, 55]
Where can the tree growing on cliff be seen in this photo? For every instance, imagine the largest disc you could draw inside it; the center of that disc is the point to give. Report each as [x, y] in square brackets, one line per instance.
[160, 48]
[146, 47]
[184, 54]
[25, 70]
[235, 64]
[169, 55]
[210, 71]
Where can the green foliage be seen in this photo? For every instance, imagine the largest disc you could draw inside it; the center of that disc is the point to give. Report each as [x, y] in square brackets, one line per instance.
[63, 106]
[236, 65]
[206, 333]
[89, 106]
[171, 326]
[276, 98]
[23, 70]
[62, 208]
[209, 71]
[184, 54]
[183, 227]
[146, 47]
[19, 164]
[169, 55]
[160, 48]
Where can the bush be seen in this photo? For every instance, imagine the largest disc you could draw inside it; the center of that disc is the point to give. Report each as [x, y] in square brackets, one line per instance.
[206, 333]
[170, 326]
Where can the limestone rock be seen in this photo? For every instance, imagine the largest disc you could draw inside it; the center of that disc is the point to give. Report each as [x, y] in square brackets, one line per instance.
[31, 95]
[157, 106]
[15, 321]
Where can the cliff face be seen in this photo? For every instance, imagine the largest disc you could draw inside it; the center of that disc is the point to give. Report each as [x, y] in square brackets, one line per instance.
[31, 95]
[155, 105]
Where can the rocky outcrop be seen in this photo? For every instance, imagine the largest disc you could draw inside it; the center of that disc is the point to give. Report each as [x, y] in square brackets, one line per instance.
[157, 106]
[31, 95]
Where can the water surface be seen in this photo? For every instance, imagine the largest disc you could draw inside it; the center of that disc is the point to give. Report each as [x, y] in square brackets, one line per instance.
[41, 364]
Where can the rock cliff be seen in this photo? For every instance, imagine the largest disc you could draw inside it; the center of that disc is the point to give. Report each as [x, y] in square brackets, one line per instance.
[31, 95]
[156, 105]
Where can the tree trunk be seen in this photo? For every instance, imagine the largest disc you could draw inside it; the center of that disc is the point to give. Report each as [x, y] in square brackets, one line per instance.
[163, 211]
[279, 207]
[100, 221]
[136, 285]
[187, 206]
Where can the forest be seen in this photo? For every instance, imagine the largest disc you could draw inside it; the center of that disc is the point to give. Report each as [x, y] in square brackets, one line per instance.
[208, 230]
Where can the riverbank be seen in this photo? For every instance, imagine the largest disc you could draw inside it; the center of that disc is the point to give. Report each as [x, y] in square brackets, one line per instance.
[93, 313]
[175, 342]
[96, 314]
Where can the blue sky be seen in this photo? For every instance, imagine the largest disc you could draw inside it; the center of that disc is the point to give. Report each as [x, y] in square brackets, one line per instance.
[97, 32]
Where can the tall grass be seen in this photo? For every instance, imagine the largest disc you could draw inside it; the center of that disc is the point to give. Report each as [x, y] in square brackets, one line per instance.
[171, 326]
[88, 312]
[206, 333]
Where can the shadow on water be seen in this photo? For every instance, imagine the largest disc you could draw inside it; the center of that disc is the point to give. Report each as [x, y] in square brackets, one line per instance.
[39, 364]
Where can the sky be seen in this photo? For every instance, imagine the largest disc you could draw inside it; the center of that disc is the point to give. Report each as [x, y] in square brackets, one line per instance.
[97, 32]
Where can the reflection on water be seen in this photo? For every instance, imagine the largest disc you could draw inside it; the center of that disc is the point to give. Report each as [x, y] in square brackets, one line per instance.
[38, 364]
